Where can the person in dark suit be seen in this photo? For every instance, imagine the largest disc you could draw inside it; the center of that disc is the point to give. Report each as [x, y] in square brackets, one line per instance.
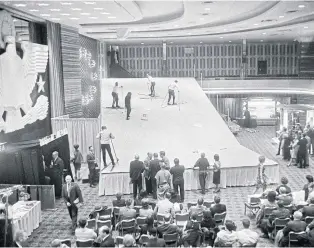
[91, 161]
[302, 151]
[154, 167]
[296, 225]
[136, 169]
[167, 227]
[119, 202]
[57, 167]
[247, 118]
[217, 208]
[154, 241]
[127, 104]
[104, 239]
[308, 210]
[203, 165]
[72, 196]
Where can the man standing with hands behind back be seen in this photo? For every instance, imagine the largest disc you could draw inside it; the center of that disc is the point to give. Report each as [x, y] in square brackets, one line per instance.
[72, 196]
[57, 166]
[136, 169]
[91, 161]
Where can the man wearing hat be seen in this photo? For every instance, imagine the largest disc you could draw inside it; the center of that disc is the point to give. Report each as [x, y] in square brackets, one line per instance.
[171, 88]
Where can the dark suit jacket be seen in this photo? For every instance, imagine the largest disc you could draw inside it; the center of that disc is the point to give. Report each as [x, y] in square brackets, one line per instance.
[154, 167]
[90, 158]
[156, 242]
[58, 166]
[294, 226]
[136, 169]
[127, 101]
[218, 209]
[119, 203]
[108, 242]
[167, 229]
[75, 192]
[308, 211]
[288, 189]
[280, 213]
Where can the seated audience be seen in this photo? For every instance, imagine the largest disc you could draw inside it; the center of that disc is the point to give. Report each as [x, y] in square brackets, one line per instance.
[199, 208]
[129, 241]
[227, 236]
[57, 243]
[154, 241]
[164, 206]
[119, 202]
[104, 239]
[284, 182]
[284, 197]
[217, 208]
[192, 233]
[247, 237]
[308, 186]
[167, 227]
[149, 224]
[146, 209]
[127, 212]
[296, 225]
[308, 210]
[84, 233]
[270, 202]
[142, 195]
[208, 226]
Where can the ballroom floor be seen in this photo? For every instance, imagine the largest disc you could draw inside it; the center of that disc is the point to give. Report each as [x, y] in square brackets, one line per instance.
[56, 223]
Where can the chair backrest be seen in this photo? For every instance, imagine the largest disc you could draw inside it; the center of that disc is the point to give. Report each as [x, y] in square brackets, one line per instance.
[171, 237]
[190, 204]
[293, 236]
[91, 224]
[268, 211]
[199, 217]
[182, 217]
[128, 224]
[309, 219]
[67, 242]
[119, 240]
[254, 245]
[105, 211]
[140, 221]
[144, 239]
[220, 217]
[281, 222]
[101, 223]
[289, 207]
[160, 217]
[84, 243]
[255, 200]
[208, 204]
[116, 210]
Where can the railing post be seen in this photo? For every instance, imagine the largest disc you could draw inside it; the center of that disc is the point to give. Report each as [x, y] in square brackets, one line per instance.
[202, 80]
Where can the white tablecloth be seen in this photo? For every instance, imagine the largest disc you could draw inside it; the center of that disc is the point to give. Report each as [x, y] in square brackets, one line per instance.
[112, 183]
[26, 216]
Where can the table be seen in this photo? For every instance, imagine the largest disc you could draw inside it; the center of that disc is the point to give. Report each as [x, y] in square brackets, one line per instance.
[26, 216]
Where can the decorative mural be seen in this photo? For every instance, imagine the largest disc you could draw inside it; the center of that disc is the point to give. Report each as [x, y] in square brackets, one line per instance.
[89, 77]
[24, 90]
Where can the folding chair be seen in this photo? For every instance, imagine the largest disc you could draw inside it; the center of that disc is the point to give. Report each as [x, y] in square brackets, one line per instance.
[116, 212]
[67, 242]
[220, 218]
[267, 212]
[91, 224]
[84, 243]
[127, 226]
[160, 218]
[289, 207]
[279, 224]
[190, 204]
[253, 205]
[101, 223]
[144, 240]
[172, 239]
[309, 219]
[105, 214]
[119, 241]
[181, 219]
[199, 217]
[293, 237]
[141, 221]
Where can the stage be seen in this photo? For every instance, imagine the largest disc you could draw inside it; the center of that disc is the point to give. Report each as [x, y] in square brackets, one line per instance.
[183, 131]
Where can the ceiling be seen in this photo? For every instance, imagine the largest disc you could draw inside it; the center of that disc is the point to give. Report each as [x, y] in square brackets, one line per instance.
[151, 22]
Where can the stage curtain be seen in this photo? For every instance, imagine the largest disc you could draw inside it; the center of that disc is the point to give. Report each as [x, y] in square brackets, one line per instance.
[55, 69]
[80, 131]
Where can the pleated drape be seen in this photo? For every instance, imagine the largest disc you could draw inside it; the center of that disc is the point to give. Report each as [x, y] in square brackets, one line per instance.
[81, 131]
[55, 69]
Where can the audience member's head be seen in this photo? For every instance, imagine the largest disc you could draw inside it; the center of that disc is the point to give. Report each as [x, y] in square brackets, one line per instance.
[200, 201]
[68, 179]
[309, 178]
[145, 203]
[193, 217]
[312, 200]
[217, 199]
[168, 195]
[282, 190]
[136, 157]
[162, 153]
[162, 165]
[55, 154]
[297, 215]
[207, 215]
[176, 161]
[143, 194]
[119, 196]
[271, 196]
[91, 148]
[230, 226]
[56, 243]
[128, 202]
[104, 230]
[129, 241]
[284, 180]
[246, 223]
[216, 157]
[280, 204]
[261, 159]
[150, 155]
[150, 221]
[153, 232]
[82, 223]
[167, 218]
[155, 155]
[103, 127]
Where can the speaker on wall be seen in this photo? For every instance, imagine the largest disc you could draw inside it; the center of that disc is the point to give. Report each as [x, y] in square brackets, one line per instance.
[262, 67]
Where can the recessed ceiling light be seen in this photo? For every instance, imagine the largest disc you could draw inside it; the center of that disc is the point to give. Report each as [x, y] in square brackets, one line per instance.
[64, 14]
[263, 33]
[225, 29]
[189, 33]
[14, 20]
[221, 37]
[151, 35]
[201, 42]
[85, 14]
[66, 3]
[301, 6]
[43, 4]
[33, 10]
[90, 3]
[55, 10]
[93, 17]
[229, 40]
[256, 24]
[74, 18]
[306, 27]
[105, 13]
[45, 14]
[142, 43]
[77, 9]
[20, 5]
[201, 19]
[98, 8]
[261, 40]
[176, 25]
[171, 42]
[208, 9]
[281, 16]
[112, 17]
[55, 19]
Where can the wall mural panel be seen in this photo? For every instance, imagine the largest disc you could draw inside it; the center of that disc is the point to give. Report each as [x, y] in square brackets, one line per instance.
[89, 77]
[24, 87]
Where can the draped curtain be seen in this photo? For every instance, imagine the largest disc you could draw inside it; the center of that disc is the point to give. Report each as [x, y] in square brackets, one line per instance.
[55, 69]
[81, 131]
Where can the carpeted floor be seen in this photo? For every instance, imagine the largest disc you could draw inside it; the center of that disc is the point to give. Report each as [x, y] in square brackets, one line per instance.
[56, 223]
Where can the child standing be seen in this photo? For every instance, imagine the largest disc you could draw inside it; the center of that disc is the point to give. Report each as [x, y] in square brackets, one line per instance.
[216, 175]
[77, 161]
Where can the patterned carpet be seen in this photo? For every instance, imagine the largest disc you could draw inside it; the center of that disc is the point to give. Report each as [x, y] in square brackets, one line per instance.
[56, 223]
